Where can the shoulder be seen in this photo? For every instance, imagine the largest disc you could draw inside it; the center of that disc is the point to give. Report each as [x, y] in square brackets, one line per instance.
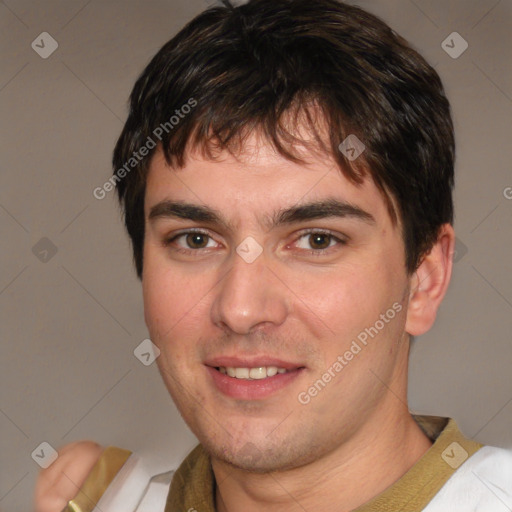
[482, 482]
[57, 484]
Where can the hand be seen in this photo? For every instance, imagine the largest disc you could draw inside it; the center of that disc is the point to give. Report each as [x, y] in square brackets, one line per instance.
[60, 482]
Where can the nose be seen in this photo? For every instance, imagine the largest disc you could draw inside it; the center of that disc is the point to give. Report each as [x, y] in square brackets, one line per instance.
[249, 296]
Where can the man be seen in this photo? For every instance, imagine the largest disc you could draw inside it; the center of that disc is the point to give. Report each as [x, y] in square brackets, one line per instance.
[286, 173]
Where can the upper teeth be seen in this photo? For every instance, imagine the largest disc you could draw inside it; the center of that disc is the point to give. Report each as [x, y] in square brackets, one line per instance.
[252, 373]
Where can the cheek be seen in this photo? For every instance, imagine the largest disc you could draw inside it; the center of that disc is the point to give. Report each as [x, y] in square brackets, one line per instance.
[351, 299]
[174, 301]
[162, 293]
[339, 294]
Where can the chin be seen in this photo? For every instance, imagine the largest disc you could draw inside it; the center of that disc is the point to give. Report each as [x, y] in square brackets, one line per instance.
[254, 457]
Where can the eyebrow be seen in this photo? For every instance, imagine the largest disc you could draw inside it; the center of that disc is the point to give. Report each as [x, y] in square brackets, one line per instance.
[303, 212]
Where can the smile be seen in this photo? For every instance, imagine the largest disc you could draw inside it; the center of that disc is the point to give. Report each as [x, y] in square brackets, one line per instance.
[252, 382]
[258, 373]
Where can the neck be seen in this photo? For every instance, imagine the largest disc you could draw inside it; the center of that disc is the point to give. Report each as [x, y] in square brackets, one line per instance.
[381, 452]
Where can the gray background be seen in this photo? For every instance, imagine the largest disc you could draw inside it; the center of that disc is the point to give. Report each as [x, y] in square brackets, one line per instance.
[71, 321]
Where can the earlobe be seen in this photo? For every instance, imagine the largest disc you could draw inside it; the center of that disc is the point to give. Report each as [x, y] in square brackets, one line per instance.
[429, 283]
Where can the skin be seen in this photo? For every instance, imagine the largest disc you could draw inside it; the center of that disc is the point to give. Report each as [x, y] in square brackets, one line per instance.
[59, 483]
[355, 437]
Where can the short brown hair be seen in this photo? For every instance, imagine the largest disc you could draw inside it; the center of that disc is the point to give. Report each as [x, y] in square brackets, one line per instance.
[247, 66]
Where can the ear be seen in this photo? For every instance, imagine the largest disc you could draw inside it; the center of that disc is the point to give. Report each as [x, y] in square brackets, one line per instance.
[429, 283]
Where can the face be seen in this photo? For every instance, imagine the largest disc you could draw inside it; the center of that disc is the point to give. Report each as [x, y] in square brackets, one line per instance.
[277, 295]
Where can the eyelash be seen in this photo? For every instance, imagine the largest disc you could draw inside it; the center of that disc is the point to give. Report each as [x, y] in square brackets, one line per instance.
[313, 252]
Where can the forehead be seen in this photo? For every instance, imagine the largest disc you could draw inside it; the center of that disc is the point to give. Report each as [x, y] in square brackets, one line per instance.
[257, 182]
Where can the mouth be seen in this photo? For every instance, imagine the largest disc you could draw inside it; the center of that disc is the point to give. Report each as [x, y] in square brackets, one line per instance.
[242, 379]
[257, 373]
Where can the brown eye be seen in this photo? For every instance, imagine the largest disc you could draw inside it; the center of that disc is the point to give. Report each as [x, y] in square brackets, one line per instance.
[197, 240]
[320, 240]
[319, 243]
[190, 242]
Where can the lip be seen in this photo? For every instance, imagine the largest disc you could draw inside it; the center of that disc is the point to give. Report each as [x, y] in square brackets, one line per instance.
[257, 389]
